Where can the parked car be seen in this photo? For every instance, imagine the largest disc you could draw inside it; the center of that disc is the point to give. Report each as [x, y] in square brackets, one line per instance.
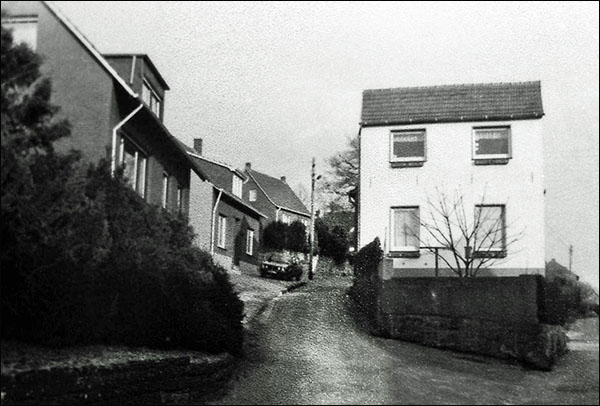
[281, 266]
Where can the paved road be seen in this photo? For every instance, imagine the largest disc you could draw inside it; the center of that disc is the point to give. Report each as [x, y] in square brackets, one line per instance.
[305, 348]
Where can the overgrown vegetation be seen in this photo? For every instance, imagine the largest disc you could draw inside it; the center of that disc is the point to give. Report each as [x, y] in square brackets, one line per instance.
[281, 236]
[565, 298]
[84, 258]
[366, 263]
[333, 243]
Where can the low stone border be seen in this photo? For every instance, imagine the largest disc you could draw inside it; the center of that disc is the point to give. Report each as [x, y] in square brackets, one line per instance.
[169, 380]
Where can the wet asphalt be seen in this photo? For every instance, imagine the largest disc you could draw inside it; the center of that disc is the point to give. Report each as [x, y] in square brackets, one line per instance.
[307, 348]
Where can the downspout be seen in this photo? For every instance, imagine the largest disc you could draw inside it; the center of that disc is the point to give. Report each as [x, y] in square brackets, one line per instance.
[277, 213]
[212, 223]
[113, 160]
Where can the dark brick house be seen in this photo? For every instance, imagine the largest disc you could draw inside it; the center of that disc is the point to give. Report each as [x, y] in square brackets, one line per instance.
[273, 197]
[228, 227]
[115, 103]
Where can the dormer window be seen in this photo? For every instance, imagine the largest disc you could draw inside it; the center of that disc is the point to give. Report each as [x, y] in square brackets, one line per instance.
[236, 187]
[151, 98]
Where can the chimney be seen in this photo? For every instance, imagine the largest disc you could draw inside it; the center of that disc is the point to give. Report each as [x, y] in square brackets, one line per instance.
[198, 145]
[248, 166]
[283, 179]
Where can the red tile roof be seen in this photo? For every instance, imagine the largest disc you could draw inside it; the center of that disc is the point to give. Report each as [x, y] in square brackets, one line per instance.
[453, 103]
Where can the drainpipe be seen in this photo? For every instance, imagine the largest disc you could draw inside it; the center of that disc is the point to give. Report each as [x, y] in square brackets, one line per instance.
[212, 224]
[277, 214]
[113, 160]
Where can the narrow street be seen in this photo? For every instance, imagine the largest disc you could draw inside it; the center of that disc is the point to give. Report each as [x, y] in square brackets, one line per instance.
[305, 348]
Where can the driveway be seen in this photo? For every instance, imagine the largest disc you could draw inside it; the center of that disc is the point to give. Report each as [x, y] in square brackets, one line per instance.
[305, 348]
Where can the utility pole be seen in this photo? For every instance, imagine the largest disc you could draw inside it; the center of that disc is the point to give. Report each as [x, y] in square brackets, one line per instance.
[312, 220]
[570, 257]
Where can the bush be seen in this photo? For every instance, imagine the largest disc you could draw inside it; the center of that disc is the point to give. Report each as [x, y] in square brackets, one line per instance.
[564, 301]
[363, 290]
[84, 259]
[332, 244]
[281, 236]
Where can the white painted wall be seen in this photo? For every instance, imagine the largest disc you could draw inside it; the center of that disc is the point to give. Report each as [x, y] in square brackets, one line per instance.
[449, 166]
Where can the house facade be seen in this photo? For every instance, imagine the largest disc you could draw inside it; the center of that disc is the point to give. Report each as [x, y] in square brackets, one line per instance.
[225, 225]
[479, 145]
[273, 197]
[115, 103]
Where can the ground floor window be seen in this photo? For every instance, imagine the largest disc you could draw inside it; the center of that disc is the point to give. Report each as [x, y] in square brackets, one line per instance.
[404, 228]
[222, 232]
[490, 225]
[250, 241]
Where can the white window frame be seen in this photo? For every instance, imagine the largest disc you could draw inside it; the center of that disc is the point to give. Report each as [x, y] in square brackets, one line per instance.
[151, 97]
[222, 232]
[394, 247]
[478, 130]
[12, 22]
[236, 186]
[252, 195]
[416, 131]
[140, 159]
[249, 241]
[179, 199]
[165, 190]
[493, 251]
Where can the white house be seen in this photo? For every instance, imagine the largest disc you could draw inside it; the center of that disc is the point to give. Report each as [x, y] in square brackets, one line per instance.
[479, 145]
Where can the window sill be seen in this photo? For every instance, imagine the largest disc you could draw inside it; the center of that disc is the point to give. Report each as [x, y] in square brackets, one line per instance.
[406, 164]
[490, 254]
[491, 161]
[404, 254]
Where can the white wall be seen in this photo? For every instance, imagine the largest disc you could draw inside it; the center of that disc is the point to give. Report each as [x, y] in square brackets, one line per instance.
[449, 166]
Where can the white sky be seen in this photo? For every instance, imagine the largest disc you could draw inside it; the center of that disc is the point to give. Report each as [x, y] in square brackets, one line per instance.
[279, 83]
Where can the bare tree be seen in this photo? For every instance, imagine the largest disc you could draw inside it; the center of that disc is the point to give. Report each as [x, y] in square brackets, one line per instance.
[342, 176]
[474, 243]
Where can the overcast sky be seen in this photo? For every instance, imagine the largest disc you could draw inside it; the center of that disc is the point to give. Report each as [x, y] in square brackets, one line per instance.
[279, 83]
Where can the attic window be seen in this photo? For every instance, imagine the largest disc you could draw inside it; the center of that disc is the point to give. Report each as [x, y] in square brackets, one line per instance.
[151, 98]
[236, 187]
[24, 29]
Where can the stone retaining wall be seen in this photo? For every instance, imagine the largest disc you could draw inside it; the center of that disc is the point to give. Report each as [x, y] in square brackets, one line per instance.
[165, 381]
[495, 316]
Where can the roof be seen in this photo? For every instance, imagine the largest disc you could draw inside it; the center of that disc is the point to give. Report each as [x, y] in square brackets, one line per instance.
[218, 174]
[147, 59]
[88, 45]
[452, 103]
[278, 192]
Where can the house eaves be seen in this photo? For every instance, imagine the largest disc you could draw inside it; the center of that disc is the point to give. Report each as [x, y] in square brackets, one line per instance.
[212, 161]
[89, 47]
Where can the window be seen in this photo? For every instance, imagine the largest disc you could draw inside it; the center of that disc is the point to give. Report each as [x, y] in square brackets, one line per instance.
[491, 145]
[150, 97]
[407, 147]
[236, 187]
[222, 233]
[405, 225]
[134, 165]
[249, 241]
[490, 238]
[24, 30]
[252, 195]
[179, 199]
[165, 191]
